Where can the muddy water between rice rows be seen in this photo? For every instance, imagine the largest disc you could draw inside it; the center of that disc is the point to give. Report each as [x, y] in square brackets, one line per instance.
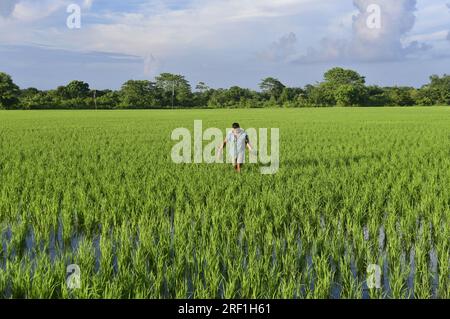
[57, 248]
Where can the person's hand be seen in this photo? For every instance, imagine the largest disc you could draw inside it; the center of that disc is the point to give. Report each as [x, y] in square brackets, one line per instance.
[219, 152]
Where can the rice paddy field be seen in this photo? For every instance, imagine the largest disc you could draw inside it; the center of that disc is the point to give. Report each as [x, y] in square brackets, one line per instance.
[356, 187]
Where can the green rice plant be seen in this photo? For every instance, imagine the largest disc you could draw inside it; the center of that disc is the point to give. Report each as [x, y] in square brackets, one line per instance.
[443, 251]
[324, 277]
[98, 189]
[351, 288]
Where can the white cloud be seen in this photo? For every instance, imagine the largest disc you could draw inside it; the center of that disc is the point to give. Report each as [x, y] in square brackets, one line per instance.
[281, 50]
[448, 34]
[30, 11]
[386, 43]
[7, 7]
[87, 4]
[428, 37]
[218, 26]
[203, 25]
[151, 65]
[216, 40]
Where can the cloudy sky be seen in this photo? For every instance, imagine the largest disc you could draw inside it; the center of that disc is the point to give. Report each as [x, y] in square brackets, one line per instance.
[223, 42]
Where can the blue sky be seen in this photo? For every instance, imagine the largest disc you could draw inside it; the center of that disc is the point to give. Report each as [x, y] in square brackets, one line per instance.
[222, 42]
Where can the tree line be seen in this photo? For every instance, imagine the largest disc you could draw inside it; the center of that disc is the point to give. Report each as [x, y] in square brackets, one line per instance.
[340, 87]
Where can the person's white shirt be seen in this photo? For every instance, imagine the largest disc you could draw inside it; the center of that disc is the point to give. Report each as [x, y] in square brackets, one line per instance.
[237, 142]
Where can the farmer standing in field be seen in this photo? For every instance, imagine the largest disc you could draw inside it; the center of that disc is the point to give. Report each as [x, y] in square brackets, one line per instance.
[236, 141]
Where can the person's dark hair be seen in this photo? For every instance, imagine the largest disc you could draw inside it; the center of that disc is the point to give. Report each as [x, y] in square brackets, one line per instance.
[236, 125]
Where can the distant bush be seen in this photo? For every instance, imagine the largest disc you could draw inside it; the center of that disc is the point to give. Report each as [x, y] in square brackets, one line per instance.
[340, 87]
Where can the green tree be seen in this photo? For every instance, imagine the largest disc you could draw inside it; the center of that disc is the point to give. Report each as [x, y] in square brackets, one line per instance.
[376, 96]
[138, 94]
[340, 76]
[439, 89]
[202, 94]
[74, 90]
[272, 87]
[27, 96]
[290, 95]
[202, 87]
[401, 96]
[29, 92]
[320, 95]
[9, 92]
[233, 97]
[176, 90]
[35, 99]
[346, 87]
[108, 99]
[350, 95]
[427, 96]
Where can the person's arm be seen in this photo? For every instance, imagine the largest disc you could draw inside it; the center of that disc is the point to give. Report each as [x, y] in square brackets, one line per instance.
[220, 149]
[248, 144]
[223, 145]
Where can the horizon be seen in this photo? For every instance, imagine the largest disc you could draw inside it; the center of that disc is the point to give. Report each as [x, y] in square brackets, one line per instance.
[256, 88]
